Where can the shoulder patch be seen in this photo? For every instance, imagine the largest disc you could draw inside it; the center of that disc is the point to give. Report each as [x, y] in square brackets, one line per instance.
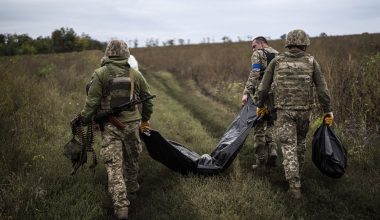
[256, 67]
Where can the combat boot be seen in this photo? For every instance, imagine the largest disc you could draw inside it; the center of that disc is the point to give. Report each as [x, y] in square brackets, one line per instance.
[295, 192]
[259, 167]
[131, 195]
[122, 213]
[272, 158]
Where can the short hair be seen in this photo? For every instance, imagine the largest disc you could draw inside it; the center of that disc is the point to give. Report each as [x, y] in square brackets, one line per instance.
[261, 39]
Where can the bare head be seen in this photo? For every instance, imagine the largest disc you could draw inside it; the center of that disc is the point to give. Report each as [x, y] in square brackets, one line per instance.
[259, 43]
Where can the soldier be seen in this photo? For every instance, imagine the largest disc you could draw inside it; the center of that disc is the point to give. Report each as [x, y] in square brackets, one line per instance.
[265, 147]
[294, 75]
[111, 85]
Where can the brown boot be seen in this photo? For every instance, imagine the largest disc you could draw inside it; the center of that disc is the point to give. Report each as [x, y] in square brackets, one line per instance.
[295, 188]
[295, 192]
[122, 213]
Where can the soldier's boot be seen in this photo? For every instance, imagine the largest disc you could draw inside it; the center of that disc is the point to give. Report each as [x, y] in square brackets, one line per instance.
[272, 158]
[295, 188]
[132, 194]
[122, 213]
[295, 192]
[259, 167]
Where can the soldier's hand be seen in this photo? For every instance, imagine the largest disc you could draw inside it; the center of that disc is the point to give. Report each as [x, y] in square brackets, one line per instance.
[244, 99]
[328, 118]
[261, 111]
[144, 126]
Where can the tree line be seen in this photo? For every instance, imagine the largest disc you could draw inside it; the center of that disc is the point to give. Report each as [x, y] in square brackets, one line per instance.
[61, 40]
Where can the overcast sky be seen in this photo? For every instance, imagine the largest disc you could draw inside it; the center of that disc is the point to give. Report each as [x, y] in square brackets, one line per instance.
[189, 19]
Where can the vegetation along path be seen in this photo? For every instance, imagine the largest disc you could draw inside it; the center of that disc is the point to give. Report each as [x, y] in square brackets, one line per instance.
[35, 181]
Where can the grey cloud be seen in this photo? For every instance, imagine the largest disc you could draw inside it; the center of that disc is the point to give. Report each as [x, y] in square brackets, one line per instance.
[194, 19]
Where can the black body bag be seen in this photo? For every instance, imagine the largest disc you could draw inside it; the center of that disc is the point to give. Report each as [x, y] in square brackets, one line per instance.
[179, 158]
[329, 155]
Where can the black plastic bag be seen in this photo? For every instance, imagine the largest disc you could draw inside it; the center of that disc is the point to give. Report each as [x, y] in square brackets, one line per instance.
[329, 155]
[181, 159]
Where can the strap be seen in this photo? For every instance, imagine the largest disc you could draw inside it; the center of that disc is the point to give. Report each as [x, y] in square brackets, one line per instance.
[86, 142]
[132, 84]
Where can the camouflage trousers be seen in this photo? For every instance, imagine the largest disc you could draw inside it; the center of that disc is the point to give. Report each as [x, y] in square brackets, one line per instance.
[120, 152]
[263, 141]
[292, 127]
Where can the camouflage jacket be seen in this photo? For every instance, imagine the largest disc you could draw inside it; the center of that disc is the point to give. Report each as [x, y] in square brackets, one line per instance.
[99, 81]
[259, 64]
[295, 57]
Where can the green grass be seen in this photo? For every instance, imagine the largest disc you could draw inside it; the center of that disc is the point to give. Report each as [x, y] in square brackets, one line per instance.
[35, 181]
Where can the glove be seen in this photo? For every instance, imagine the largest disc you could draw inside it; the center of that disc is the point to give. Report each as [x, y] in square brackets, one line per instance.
[144, 126]
[261, 111]
[328, 118]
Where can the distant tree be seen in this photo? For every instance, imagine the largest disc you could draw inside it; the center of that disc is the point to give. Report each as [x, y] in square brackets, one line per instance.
[283, 37]
[226, 39]
[170, 42]
[13, 44]
[323, 34]
[181, 41]
[61, 40]
[2, 39]
[148, 42]
[64, 40]
[136, 43]
[151, 42]
[2, 44]
[43, 44]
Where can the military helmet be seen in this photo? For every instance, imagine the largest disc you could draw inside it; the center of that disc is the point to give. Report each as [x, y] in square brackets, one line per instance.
[297, 38]
[117, 48]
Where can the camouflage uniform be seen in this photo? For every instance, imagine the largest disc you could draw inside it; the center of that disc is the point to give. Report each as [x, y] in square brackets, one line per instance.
[294, 75]
[120, 148]
[263, 134]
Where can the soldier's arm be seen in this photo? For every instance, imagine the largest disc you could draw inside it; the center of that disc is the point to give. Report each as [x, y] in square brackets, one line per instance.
[321, 88]
[143, 90]
[254, 74]
[265, 84]
[93, 98]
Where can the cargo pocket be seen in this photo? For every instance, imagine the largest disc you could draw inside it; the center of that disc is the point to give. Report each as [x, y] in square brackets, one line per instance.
[106, 150]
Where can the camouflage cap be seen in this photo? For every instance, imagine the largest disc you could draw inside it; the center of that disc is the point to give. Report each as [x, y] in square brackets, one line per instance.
[117, 48]
[297, 38]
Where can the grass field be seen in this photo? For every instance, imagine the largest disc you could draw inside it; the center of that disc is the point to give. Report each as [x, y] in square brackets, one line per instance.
[40, 94]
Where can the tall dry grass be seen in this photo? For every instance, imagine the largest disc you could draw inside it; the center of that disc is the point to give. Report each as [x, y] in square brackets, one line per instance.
[40, 94]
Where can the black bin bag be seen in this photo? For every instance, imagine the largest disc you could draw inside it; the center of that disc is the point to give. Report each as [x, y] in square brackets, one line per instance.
[328, 154]
[181, 159]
